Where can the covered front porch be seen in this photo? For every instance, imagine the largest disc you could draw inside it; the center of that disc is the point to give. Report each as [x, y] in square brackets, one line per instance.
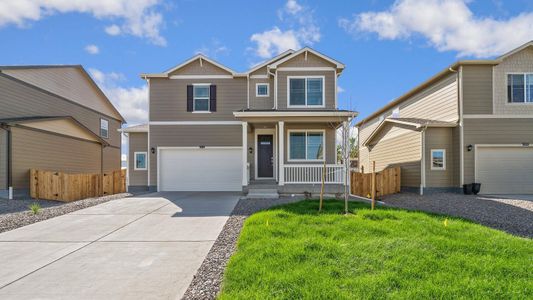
[290, 151]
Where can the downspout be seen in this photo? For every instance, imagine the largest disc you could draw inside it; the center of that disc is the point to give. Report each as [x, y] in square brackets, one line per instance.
[275, 88]
[461, 125]
[9, 161]
[102, 167]
[423, 162]
[248, 90]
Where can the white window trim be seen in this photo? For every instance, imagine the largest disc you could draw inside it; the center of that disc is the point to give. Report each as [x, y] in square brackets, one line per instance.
[443, 159]
[107, 121]
[306, 131]
[257, 89]
[306, 77]
[208, 85]
[135, 161]
[525, 92]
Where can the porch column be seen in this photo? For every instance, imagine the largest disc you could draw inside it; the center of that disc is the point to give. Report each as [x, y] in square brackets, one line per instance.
[244, 153]
[281, 153]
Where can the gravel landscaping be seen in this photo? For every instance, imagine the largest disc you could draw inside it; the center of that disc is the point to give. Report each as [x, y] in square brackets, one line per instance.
[15, 213]
[512, 215]
[207, 281]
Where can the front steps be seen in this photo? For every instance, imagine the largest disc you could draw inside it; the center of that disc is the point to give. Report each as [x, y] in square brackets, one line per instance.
[262, 193]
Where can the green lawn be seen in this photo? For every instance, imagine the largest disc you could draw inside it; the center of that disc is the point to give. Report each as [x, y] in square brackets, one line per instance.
[293, 252]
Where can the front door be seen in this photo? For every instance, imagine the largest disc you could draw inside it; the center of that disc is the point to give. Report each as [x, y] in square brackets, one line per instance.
[265, 156]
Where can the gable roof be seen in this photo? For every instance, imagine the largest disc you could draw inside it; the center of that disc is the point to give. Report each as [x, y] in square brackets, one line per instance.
[453, 68]
[416, 123]
[338, 64]
[267, 62]
[33, 76]
[36, 119]
[136, 128]
[188, 61]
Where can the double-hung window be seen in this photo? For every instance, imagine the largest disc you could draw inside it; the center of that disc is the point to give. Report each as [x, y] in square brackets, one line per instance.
[140, 161]
[306, 91]
[104, 128]
[201, 97]
[520, 88]
[306, 145]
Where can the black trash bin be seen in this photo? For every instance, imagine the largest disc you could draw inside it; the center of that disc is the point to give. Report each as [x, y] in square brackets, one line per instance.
[467, 189]
[476, 187]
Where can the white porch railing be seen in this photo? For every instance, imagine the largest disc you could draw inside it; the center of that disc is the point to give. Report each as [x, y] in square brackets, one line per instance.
[305, 174]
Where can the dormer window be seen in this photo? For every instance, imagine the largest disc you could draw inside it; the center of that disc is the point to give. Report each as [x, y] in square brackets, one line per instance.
[306, 91]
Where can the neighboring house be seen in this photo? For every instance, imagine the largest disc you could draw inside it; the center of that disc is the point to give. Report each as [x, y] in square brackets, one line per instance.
[472, 122]
[54, 118]
[213, 129]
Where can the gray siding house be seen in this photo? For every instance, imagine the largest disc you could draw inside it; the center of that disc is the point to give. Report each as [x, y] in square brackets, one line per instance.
[213, 129]
[472, 122]
[54, 118]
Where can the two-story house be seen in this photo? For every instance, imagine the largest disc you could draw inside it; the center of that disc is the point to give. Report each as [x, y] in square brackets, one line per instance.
[472, 122]
[213, 129]
[54, 118]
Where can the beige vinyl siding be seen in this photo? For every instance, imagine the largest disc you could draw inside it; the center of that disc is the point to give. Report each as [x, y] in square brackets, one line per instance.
[312, 60]
[261, 102]
[62, 126]
[331, 151]
[438, 102]
[195, 68]
[168, 99]
[521, 62]
[68, 82]
[191, 136]
[366, 129]
[493, 131]
[439, 138]
[404, 150]
[329, 86]
[19, 100]
[33, 149]
[3, 159]
[251, 156]
[260, 71]
[477, 89]
[111, 163]
[456, 163]
[138, 142]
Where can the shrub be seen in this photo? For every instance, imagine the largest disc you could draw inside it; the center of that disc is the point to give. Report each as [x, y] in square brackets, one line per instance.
[35, 208]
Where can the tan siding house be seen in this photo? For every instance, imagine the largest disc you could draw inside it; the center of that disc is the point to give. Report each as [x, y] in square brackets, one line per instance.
[54, 118]
[214, 129]
[475, 125]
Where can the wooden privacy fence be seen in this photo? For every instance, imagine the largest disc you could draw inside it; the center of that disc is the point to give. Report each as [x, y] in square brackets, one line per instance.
[67, 187]
[386, 182]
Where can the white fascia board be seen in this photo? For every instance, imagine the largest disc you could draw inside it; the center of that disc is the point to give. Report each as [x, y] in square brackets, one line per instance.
[294, 114]
[195, 123]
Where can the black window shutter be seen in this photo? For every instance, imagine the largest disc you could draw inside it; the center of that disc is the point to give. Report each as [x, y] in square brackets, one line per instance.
[213, 98]
[189, 97]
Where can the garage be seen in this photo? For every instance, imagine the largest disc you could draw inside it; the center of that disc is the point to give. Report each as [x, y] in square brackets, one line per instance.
[200, 169]
[505, 170]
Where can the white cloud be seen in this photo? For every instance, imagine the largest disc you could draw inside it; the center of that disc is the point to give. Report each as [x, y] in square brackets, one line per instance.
[340, 89]
[447, 25]
[92, 49]
[301, 29]
[113, 30]
[293, 7]
[131, 102]
[139, 17]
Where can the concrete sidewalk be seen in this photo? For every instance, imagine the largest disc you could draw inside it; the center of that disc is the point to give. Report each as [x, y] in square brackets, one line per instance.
[146, 247]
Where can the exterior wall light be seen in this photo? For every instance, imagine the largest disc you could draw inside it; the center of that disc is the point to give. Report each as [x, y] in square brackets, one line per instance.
[469, 148]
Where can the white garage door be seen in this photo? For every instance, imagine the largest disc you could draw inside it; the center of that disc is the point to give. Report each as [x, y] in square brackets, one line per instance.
[505, 170]
[209, 169]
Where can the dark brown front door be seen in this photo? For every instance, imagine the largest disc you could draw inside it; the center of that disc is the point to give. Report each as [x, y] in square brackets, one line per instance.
[265, 150]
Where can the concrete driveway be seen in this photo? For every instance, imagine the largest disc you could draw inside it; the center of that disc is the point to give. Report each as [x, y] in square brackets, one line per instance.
[146, 247]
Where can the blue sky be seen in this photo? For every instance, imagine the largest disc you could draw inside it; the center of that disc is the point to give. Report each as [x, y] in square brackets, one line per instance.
[387, 46]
